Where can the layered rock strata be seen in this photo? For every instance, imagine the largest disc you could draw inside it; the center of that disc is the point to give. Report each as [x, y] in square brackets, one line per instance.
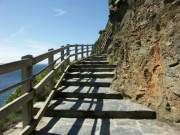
[145, 44]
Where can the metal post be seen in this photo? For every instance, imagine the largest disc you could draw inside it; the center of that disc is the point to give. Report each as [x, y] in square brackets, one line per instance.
[82, 49]
[62, 58]
[51, 60]
[27, 108]
[68, 53]
[76, 51]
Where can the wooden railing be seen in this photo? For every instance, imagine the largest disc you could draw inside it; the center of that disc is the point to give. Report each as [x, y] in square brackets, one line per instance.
[105, 39]
[28, 91]
[102, 47]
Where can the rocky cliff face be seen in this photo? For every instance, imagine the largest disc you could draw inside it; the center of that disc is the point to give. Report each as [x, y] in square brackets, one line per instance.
[145, 44]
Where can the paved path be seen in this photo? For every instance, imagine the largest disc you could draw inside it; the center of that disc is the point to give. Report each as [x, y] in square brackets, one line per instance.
[85, 105]
[84, 126]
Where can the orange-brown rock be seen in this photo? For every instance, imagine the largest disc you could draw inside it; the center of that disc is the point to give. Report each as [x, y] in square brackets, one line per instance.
[147, 37]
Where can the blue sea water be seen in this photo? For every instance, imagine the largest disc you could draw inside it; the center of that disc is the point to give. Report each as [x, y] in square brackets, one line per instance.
[11, 78]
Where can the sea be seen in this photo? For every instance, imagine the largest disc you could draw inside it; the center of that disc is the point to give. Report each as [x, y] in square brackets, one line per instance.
[11, 78]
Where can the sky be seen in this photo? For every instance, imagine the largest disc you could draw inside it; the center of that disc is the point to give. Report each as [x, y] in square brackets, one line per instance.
[34, 26]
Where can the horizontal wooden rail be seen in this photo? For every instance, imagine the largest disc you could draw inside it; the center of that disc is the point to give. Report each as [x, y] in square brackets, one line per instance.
[9, 67]
[44, 81]
[79, 53]
[29, 128]
[79, 45]
[14, 105]
[29, 92]
[29, 123]
[16, 85]
[46, 55]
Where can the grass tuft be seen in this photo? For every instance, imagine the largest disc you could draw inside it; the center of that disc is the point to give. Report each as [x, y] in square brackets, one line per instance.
[14, 118]
[112, 2]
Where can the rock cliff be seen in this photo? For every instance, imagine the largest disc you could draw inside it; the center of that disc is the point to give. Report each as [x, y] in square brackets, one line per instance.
[145, 44]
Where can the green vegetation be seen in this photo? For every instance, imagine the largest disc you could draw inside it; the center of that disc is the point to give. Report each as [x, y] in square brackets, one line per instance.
[108, 26]
[14, 95]
[116, 54]
[111, 61]
[10, 121]
[123, 30]
[16, 117]
[100, 39]
[112, 2]
[98, 42]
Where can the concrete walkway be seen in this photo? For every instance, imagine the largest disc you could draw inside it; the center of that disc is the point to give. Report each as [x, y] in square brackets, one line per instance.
[85, 126]
[85, 105]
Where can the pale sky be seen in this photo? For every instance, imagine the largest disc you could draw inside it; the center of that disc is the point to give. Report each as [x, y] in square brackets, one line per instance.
[34, 26]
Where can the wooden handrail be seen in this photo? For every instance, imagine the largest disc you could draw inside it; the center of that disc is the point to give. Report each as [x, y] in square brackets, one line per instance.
[30, 92]
[103, 43]
[14, 105]
[9, 67]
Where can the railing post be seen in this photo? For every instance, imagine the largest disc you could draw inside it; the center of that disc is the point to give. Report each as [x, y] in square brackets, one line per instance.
[62, 58]
[68, 53]
[87, 50]
[93, 49]
[27, 108]
[76, 51]
[51, 60]
[82, 49]
[96, 49]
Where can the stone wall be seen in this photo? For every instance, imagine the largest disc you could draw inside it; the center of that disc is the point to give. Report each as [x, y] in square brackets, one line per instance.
[146, 34]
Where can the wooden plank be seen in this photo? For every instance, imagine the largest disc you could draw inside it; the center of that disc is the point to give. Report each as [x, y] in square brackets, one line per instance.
[62, 59]
[57, 51]
[46, 55]
[42, 57]
[72, 45]
[30, 128]
[87, 54]
[59, 65]
[9, 67]
[68, 55]
[14, 86]
[62, 77]
[79, 53]
[14, 105]
[44, 81]
[27, 108]
[80, 45]
[51, 60]
[82, 52]
[76, 51]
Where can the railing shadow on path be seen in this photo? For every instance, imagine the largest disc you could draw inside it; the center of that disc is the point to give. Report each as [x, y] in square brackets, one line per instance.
[29, 92]
[78, 124]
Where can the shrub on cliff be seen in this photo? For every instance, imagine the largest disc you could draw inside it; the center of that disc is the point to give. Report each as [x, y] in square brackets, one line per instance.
[112, 2]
